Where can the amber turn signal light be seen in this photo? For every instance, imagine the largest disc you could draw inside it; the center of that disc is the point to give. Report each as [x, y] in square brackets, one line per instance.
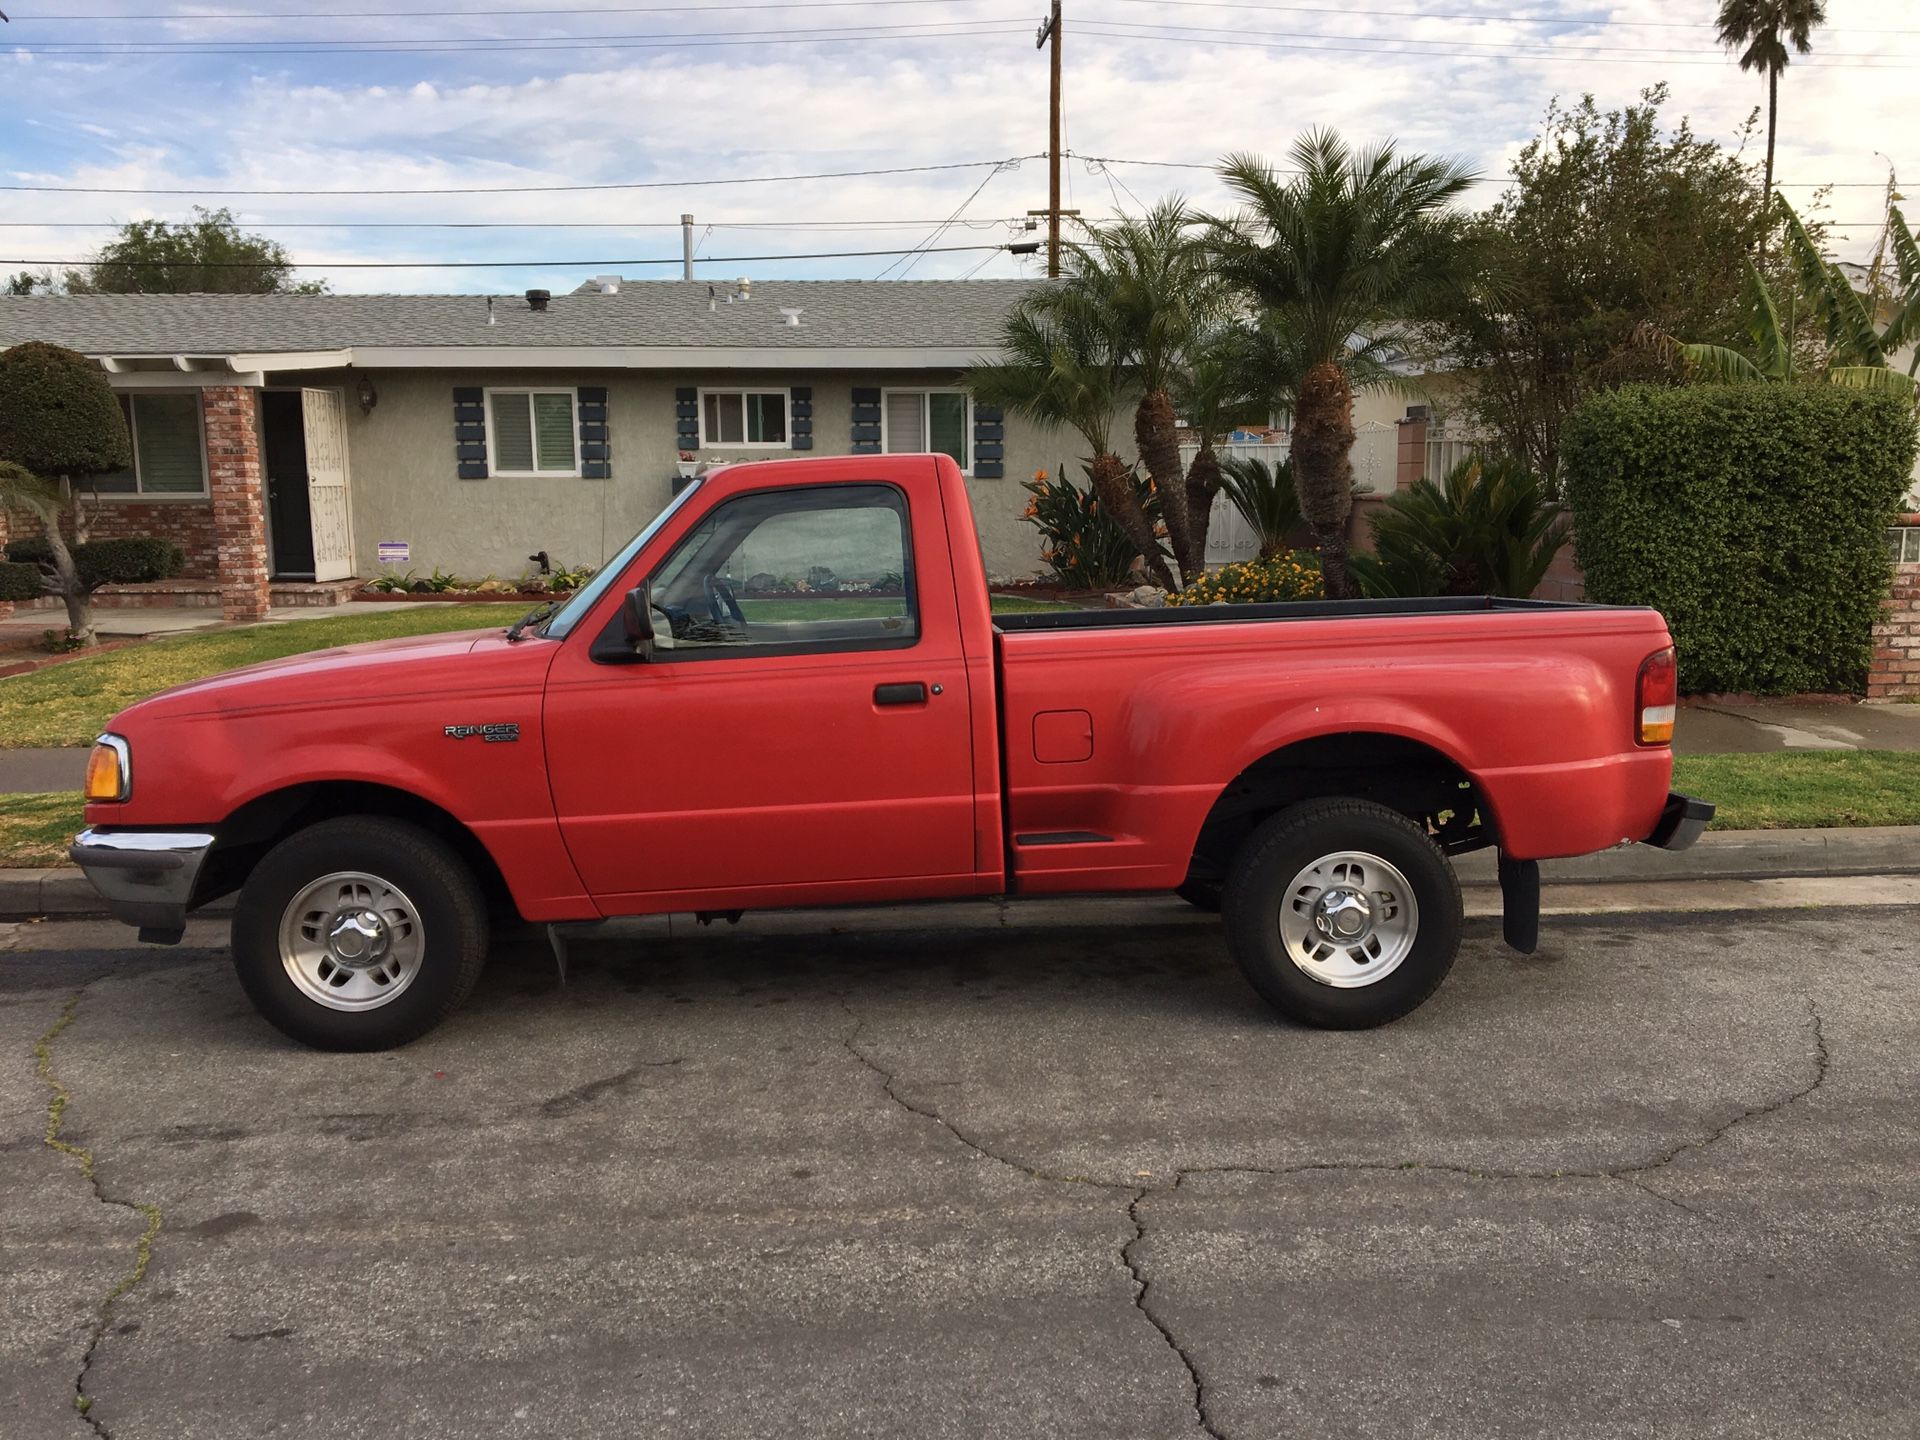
[107, 770]
[1656, 697]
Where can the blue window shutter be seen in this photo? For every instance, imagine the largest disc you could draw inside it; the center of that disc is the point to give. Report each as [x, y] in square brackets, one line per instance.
[989, 435]
[470, 432]
[866, 420]
[686, 417]
[596, 449]
[800, 417]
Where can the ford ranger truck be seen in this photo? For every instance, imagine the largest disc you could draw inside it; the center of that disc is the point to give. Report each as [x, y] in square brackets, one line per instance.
[789, 690]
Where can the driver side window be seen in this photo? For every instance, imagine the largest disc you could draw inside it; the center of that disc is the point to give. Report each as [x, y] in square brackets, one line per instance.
[824, 567]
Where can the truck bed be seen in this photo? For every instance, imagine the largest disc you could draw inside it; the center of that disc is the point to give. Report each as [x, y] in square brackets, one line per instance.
[1071, 619]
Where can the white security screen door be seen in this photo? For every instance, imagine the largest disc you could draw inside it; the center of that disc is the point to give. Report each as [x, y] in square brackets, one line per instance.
[324, 417]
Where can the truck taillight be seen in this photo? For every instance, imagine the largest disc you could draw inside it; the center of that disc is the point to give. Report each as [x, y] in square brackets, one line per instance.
[1655, 694]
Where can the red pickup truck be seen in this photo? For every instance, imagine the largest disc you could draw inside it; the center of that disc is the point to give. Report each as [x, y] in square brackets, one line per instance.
[789, 690]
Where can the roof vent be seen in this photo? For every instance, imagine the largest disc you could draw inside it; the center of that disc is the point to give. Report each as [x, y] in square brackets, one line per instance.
[607, 284]
[790, 316]
[537, 300]
[744, 288]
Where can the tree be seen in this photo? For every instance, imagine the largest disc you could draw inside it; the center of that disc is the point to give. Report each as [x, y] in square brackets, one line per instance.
[1854, 351]
[59, 422]
[207, 255]
[1766, 27]
[1062, 366]
[1233, 370]
[1610, 224]
[1353, 245]
[1144, 283]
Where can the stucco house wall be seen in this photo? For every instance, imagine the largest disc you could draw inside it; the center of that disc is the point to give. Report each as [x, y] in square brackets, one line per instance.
[404, 481]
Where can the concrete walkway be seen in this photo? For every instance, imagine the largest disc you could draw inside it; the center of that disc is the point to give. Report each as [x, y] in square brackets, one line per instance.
[114, 623]
[1742, 728]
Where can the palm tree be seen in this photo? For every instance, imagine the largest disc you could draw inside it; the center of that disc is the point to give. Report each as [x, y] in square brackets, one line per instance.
[1353, 244]
[1144, 283]
[1062, 366]
[1229, 372]
[1765, 27]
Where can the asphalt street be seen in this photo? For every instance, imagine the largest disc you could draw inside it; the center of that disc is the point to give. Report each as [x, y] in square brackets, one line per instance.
[1660, 1179]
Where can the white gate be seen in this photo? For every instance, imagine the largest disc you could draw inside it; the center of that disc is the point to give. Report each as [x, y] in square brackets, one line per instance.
[323, 416]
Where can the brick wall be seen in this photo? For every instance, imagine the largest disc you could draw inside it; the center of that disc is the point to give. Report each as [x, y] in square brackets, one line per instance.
[1895, 671]
[234, 476]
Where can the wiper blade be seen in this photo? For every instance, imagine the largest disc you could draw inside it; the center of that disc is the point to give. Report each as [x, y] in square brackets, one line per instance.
[532, 617]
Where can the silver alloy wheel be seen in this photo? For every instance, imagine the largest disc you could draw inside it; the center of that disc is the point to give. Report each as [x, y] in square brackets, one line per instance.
[1349, 919]
[351, 941]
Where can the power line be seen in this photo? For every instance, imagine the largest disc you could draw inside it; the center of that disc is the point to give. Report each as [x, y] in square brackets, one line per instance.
[1482, 180]
[509, 264]
[335, 43]
[852, 226]
[108, 49]
[1427, 51]
[215, 16]
[526, 189]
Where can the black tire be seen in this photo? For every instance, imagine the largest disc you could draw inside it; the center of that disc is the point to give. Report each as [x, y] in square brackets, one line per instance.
[452, 915]
[1263, 872]
[1202, 895]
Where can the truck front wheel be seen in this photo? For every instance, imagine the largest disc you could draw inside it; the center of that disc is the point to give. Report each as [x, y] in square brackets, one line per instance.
[359, 933]
[1343, 914]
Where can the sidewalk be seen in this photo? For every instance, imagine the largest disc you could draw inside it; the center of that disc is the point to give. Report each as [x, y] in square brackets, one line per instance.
[117, 623]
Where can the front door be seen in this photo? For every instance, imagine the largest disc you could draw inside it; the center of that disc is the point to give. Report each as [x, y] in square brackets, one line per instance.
[326, 440]
[283, 445]
[801, 733]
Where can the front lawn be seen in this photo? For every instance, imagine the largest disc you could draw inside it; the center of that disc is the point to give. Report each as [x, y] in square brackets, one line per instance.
[70, 703]
[1819, 789]
[35, 830]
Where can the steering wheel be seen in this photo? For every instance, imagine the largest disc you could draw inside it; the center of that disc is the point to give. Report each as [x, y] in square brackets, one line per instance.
[721, 604]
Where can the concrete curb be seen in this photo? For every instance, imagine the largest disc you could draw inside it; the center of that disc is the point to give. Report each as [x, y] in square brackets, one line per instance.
[1721, 855]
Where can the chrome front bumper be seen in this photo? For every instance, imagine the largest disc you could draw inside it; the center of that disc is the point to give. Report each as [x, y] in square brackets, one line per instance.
[145, 876]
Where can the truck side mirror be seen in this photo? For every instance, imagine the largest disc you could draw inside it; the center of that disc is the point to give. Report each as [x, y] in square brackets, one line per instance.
[636, 619]
[629, 640]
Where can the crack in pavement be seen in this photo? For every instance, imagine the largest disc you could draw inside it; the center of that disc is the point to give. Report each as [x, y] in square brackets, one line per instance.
[1820, 1061]
[1141, 1285]
[58, 1099]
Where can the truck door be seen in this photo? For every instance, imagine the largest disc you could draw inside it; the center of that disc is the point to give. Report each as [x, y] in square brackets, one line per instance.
[800, 733]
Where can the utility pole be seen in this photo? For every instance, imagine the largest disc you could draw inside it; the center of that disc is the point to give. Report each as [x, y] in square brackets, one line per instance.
[1050, 30]
[686, 247]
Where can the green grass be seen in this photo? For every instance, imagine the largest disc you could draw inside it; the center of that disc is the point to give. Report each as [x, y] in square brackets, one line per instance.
[35, 829]
[69, 704]
[1817, 789]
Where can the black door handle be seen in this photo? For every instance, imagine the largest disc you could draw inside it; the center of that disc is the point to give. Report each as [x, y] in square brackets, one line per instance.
[908, 694]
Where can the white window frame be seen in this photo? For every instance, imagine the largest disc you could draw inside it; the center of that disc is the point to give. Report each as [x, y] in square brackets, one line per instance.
[486, 412]
[161, 497]
[926, 427]
[786, 411]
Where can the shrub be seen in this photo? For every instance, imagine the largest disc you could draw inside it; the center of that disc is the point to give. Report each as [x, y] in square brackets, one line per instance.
[1264, 495]
[1752, 516]
[1294, 576]
[58, 416]
[132, 561]
[1084, 548]
[1491, 529]
[19, 581]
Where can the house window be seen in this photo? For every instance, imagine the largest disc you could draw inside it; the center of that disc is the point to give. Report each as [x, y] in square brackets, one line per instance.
[169, 447]
[743, 417]
[532, 432]
[919, 422]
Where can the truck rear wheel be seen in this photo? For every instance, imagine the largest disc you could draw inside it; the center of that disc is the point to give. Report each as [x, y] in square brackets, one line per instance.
[1343, 914]
[360, 933]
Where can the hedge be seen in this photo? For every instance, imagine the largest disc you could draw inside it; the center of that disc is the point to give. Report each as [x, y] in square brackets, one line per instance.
[1752, 516]
[131, 561]
[19, 581]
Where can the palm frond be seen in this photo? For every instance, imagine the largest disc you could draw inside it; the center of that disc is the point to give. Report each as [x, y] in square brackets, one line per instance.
[1878, 379]
[1720, 362]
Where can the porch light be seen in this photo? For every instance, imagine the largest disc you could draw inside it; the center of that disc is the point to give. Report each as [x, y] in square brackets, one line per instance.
[369, 397]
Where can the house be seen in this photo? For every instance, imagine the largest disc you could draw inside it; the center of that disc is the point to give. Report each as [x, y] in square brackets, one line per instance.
[327, 438]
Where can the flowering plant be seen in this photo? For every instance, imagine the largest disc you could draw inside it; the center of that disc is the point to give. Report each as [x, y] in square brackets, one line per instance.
[1084, 548]
[1294, 576]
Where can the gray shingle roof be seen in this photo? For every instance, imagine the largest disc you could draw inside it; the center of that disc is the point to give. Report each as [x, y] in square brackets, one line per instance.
[946, 314]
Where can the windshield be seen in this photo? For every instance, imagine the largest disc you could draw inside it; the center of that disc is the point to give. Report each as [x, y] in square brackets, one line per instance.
[568, 615]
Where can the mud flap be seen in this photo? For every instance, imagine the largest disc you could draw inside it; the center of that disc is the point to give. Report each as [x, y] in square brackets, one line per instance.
[1520, 902]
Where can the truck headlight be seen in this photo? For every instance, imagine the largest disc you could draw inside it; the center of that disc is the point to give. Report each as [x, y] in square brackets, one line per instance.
[109, 770]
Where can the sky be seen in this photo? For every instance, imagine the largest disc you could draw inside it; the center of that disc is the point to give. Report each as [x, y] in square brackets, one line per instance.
[513, 98]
